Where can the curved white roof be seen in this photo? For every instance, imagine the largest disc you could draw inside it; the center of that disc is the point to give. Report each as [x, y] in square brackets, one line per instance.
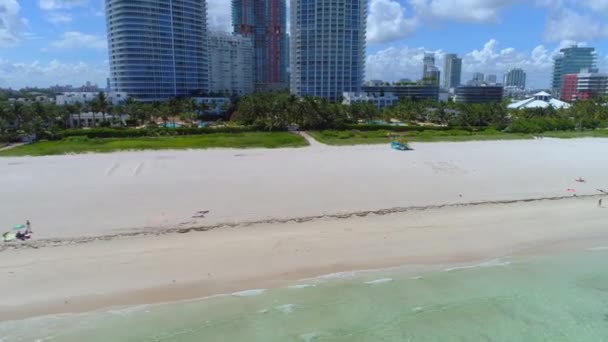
[535, 102]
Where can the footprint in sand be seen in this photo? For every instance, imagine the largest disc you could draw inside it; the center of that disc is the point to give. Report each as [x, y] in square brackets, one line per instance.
[138, 169]
[111, 169]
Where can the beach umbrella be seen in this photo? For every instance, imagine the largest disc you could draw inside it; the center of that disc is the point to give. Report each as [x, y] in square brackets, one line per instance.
[18, 227]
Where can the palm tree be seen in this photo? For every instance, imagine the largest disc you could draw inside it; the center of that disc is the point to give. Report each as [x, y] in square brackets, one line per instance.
[101, 104]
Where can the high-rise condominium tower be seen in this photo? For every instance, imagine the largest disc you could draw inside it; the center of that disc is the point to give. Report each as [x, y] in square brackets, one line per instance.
[158, 48]
[452, 71]
[230, 64]
[571, 61]
[515, 78]
[327, 47]
[264, 21]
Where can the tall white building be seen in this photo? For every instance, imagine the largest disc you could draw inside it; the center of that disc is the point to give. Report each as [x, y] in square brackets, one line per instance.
[230, 64]
[327, 45]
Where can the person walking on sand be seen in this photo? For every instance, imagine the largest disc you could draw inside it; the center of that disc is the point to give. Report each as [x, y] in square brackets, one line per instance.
[599, 203]
[28, 227]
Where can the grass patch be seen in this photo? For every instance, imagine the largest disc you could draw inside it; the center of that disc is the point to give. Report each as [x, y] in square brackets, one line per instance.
[212, 140]
[384, 136]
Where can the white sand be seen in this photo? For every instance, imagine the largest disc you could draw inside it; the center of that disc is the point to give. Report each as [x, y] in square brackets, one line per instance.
[151, 269]
[100, 194]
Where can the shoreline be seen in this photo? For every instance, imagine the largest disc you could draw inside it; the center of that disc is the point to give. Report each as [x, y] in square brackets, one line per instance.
[149, 269]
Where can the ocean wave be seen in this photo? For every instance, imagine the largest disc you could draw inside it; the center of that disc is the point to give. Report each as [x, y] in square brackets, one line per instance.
[301, 286]
[598, 249]
[489, 263]
[379, 281]
[249, 293]
[286, 309]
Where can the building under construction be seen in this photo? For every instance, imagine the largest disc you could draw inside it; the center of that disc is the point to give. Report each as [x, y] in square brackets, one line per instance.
[264, 21]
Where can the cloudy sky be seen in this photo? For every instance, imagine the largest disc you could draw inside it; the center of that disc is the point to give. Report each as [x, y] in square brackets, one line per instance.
[44, 42]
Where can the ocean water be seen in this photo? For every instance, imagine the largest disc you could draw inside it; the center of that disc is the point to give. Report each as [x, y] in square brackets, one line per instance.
[550, 298]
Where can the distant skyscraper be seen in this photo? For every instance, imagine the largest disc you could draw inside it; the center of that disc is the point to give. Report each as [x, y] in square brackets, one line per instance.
[478, 77]
[515, 78]
[327, 47]
[452, 71]
[430, 73]
[230, 64]
[265, 22]
[158, 49]
[571, 61]
[491, 78]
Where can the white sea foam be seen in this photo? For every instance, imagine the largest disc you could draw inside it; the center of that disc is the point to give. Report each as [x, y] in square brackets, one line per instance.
[379, 281]
[286, 309]
[598, 249]
[249, 293]
[301, 286]
[416, 278]
[489, 263]
[309, 337]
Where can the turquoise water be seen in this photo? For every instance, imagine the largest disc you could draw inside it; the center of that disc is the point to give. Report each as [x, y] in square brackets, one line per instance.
[557, 298]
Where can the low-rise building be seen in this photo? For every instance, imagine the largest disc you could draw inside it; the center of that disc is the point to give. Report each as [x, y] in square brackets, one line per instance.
[71, 98]
[479, 94]
[91, 119]
[380, 100]
[215, 105]
[540, 100]
[405, 90]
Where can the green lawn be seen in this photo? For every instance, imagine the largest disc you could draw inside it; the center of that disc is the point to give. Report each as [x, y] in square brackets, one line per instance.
[382, 136]
[212, 140]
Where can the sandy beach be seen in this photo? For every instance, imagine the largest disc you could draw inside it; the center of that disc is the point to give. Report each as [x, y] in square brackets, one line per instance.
[71, 197]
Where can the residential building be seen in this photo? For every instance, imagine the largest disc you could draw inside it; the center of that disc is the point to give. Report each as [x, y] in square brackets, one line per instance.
[71, 98]
[92, 119]
[230, 64]
[327, 47]
[515, 78]
[478, 76]
[571, 60]
[430, 73]
[380, 100]
[591, 83]
[405, 91]
[569, 83]
[491, 79]
[265, 22]
[479, 94]
[540, 100]
[452, 71]
[158, 49]
[514, 92]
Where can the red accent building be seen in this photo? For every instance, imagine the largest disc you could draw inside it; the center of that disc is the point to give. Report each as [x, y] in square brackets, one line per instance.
[569, 84]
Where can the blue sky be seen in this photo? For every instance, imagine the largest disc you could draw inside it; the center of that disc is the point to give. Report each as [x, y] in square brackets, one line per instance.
[44, 42]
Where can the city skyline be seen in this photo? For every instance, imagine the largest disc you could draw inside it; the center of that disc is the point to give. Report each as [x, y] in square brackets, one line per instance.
[45, 42]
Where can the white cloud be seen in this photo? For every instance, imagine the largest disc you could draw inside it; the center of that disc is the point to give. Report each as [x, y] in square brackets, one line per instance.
[567, 24]
[19, 75]
[59, 17]
[596, 5]
[387, 22]
[49, 5]
[79, 40]
[219, 15]
[462, 10]
[11, 24]
[392, 64]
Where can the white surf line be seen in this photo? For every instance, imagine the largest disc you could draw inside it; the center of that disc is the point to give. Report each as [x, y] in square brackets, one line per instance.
[138, 169]
[112, 168]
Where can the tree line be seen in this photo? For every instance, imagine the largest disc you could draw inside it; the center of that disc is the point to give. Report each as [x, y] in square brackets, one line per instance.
[280, 111]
